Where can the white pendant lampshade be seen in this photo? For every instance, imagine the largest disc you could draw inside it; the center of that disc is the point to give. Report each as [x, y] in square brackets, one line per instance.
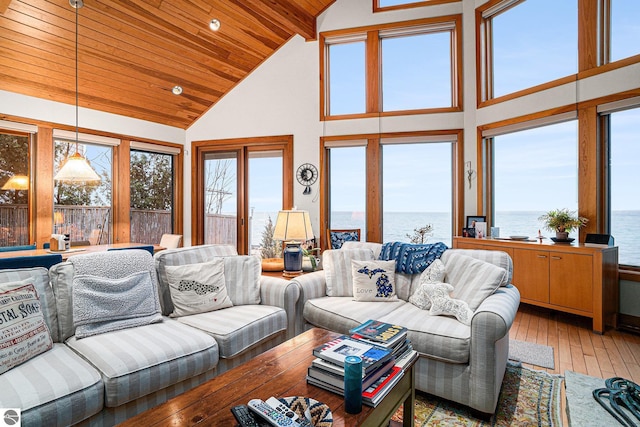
[17, 182]
[77, 169]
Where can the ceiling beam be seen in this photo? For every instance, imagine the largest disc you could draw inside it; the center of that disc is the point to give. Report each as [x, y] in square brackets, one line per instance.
[4, 5]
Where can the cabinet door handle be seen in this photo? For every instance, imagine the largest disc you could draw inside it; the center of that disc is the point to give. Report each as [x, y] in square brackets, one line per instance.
[556, 257]
[542, 256]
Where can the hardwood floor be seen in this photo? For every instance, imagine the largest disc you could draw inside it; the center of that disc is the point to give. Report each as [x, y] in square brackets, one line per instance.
[576, 347]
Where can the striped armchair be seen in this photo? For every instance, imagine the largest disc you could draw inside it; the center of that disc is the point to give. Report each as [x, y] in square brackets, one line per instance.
[465, 364]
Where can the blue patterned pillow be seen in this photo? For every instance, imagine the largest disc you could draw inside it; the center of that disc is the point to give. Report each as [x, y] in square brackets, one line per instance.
[374, 280]
[339, 237]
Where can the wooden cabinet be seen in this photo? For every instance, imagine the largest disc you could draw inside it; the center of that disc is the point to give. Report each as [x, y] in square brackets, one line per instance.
[572, 278]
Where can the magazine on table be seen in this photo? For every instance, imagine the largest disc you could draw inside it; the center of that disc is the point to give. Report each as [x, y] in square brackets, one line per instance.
[336, 350]
[382, 333]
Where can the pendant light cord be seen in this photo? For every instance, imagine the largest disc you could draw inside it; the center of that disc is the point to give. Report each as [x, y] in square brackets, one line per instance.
[76, 8]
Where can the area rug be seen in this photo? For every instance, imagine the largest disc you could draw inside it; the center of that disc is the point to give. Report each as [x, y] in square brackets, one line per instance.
[582, 408]
[528, 398]
[531, 353]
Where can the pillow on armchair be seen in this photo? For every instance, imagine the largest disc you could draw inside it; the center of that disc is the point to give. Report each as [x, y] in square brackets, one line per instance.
[336, 238]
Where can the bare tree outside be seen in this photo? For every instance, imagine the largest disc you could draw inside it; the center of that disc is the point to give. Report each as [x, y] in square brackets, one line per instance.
[219, 179]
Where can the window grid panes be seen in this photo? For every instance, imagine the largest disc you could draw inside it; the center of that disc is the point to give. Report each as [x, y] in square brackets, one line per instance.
[419, 80]
[409, 169]
[526, 53]
[347, 78]
[534, 171]
[84, 210]
[14, 189]
[151, 196]
[625, 31]
[624, 193]
[348, 189]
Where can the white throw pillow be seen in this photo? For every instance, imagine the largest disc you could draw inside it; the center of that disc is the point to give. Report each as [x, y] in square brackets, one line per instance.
[432, 274]
[442, 303]
[198, 288]
[473, 280]
[374, 280]
[336, 264]
[23, 331]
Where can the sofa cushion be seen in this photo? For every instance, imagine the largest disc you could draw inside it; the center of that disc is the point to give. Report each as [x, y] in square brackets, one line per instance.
[373, 280]
[57, 387]
[336, 264]
[39, 276]
[239, 328]
[138, 361]
[497, 258]
[198, 288]
[181, 256]
[375, 247]
[473, 280]
[242, 276]
[437, 337]
[340, 314]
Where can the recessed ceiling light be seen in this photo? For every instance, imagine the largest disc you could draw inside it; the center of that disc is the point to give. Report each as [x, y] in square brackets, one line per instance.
[177, 90]
[214, 24]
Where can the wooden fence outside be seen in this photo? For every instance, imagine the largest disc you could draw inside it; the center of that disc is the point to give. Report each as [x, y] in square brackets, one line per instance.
[85, 223]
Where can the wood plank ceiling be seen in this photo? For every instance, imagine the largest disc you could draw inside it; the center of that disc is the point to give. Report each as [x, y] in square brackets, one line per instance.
[131, 53]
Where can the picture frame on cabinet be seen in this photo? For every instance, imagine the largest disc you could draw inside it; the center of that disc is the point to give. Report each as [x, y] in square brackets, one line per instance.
[468, 232]
[471, 220]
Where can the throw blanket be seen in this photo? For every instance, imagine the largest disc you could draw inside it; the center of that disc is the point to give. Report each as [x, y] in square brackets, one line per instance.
[114, 290]
[412, 258]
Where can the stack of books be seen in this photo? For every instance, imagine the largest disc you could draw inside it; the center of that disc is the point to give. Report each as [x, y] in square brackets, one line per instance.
[383, 362]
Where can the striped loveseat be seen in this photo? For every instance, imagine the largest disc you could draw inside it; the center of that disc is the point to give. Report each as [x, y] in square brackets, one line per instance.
[465, 364]
[104, 379]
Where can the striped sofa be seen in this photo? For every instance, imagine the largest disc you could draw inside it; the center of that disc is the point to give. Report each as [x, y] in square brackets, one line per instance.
[465, 364]
[105, 379]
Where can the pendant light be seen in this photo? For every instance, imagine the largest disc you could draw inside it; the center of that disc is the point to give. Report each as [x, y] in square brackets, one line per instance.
[76, 168]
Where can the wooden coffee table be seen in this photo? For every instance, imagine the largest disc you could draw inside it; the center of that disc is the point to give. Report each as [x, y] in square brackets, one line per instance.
[279, 372]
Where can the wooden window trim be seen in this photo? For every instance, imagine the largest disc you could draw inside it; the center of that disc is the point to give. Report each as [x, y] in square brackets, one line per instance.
[243, 146]
[371, 35]
[423, 3]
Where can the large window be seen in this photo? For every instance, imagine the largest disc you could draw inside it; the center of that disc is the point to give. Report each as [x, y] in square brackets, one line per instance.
[348, 184]
[396, 187]
[151, 195]
[527, 43]
[409, 66]
[624, 149]
[534, 171]
[84, 210]
[265, 196]
[417, 192]
[14, 188]
[416, 70]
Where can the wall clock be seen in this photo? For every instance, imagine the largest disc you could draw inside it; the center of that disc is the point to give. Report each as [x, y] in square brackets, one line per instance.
[307, 175]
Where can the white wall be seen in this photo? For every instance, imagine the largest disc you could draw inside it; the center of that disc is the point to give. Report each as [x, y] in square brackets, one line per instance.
[56, 112]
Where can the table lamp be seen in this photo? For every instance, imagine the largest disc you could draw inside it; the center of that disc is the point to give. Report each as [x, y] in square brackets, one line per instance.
[293, 227]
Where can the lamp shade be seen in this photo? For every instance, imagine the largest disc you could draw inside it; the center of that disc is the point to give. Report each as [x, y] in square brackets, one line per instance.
[293, 225]
[77, 169]
[17, 182]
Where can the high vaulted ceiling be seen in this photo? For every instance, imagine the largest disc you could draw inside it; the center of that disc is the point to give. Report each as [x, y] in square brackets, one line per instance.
[133, 52]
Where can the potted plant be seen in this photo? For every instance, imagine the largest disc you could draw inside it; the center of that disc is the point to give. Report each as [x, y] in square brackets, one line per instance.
[310, 260]
[562, 221]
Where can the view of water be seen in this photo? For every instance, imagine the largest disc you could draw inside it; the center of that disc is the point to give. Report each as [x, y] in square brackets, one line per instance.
[625, 227]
